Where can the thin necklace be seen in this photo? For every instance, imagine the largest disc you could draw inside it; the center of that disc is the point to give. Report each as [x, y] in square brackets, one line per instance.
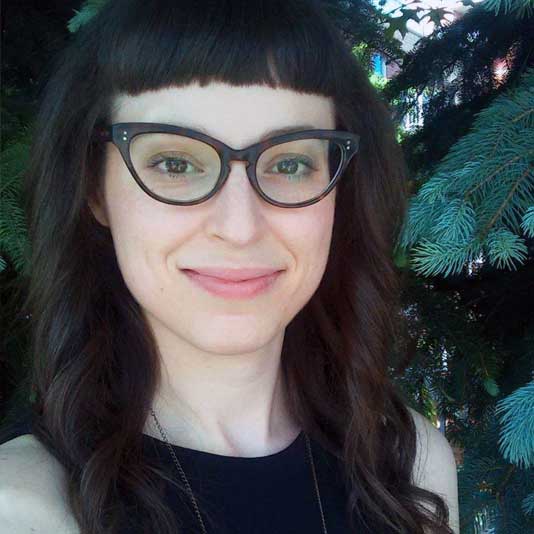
[190, 491]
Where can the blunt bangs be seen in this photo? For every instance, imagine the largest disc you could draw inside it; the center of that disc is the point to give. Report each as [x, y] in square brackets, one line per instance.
[264, 42]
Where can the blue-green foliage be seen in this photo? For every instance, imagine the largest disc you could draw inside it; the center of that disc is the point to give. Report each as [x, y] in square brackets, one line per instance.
[517, 8]
[489, 487]
[479, 201]
[528, 222]
[516, 413]
[87, 12]
[527, 505]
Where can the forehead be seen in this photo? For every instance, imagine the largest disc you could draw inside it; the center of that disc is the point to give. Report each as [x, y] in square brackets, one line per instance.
[236, 115]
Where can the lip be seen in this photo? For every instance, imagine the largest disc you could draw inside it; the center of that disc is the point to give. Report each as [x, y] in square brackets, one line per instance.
[234, 275]
[233, 289]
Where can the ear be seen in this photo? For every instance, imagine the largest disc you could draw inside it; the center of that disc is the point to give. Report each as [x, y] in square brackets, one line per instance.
[98, 206]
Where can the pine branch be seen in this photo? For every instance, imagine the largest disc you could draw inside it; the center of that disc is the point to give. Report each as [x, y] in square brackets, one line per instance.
[527, 225]
[527, 505]
[480, 196]
[88, 10]
[516, 413]
[518, 8]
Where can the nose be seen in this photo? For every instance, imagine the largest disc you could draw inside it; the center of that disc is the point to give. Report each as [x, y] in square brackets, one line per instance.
[237, 207]
[237, 186]
[237, 172]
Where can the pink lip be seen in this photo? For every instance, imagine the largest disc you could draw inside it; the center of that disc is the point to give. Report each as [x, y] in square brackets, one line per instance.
[233, 275]
[230, 289]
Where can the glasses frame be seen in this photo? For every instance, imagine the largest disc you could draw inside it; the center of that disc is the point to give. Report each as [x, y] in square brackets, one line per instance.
[122, 133]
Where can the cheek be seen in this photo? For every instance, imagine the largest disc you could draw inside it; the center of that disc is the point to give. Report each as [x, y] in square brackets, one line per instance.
[137, 221]
[143, 231]
[320, 238]
[311, 233]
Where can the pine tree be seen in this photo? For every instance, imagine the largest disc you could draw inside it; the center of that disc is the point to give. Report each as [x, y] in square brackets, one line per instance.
[478, 203]
[467, 249]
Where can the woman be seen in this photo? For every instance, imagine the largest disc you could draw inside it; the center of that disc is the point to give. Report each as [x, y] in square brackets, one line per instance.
[214, 194]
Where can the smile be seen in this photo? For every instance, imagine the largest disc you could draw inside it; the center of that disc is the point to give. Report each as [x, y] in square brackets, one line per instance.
[233, 290]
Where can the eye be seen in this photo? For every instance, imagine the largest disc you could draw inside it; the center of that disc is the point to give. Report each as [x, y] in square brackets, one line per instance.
[290, 165]
[172, 165]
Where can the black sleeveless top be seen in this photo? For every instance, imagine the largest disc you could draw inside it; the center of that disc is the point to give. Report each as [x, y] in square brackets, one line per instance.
[273, 494]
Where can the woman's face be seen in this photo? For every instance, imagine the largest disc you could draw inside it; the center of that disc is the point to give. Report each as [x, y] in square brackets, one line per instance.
[154, 241]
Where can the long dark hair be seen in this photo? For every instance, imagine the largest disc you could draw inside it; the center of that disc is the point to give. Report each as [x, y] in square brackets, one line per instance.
[86, 327]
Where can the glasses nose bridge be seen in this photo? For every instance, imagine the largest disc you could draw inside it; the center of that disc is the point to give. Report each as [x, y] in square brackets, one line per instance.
[245, 154]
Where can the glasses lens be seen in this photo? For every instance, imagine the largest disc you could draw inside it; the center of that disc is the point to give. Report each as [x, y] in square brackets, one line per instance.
[175, 167]
[180, 168]
[299, 170]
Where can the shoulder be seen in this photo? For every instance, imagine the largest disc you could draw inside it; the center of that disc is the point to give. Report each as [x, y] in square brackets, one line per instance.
[32, 496]
[435, 465]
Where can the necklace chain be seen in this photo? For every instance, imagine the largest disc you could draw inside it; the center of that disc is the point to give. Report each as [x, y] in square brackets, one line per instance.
[190, 491]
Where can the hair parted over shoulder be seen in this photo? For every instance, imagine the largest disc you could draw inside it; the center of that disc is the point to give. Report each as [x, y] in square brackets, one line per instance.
[86, 326]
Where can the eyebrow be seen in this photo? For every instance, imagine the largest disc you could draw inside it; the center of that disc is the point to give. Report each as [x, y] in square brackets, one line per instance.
[267, 134]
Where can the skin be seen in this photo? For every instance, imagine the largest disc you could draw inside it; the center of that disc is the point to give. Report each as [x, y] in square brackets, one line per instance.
[221, 389]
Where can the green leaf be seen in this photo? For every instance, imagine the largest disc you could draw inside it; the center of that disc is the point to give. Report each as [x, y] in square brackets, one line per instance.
[437, 15]
[399, 23]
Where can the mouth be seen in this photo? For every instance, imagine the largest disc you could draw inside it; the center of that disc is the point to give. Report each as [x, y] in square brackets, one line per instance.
[233, 289]
[234, 274]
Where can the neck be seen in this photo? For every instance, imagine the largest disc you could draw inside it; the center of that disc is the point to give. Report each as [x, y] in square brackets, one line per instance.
[257, 423]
